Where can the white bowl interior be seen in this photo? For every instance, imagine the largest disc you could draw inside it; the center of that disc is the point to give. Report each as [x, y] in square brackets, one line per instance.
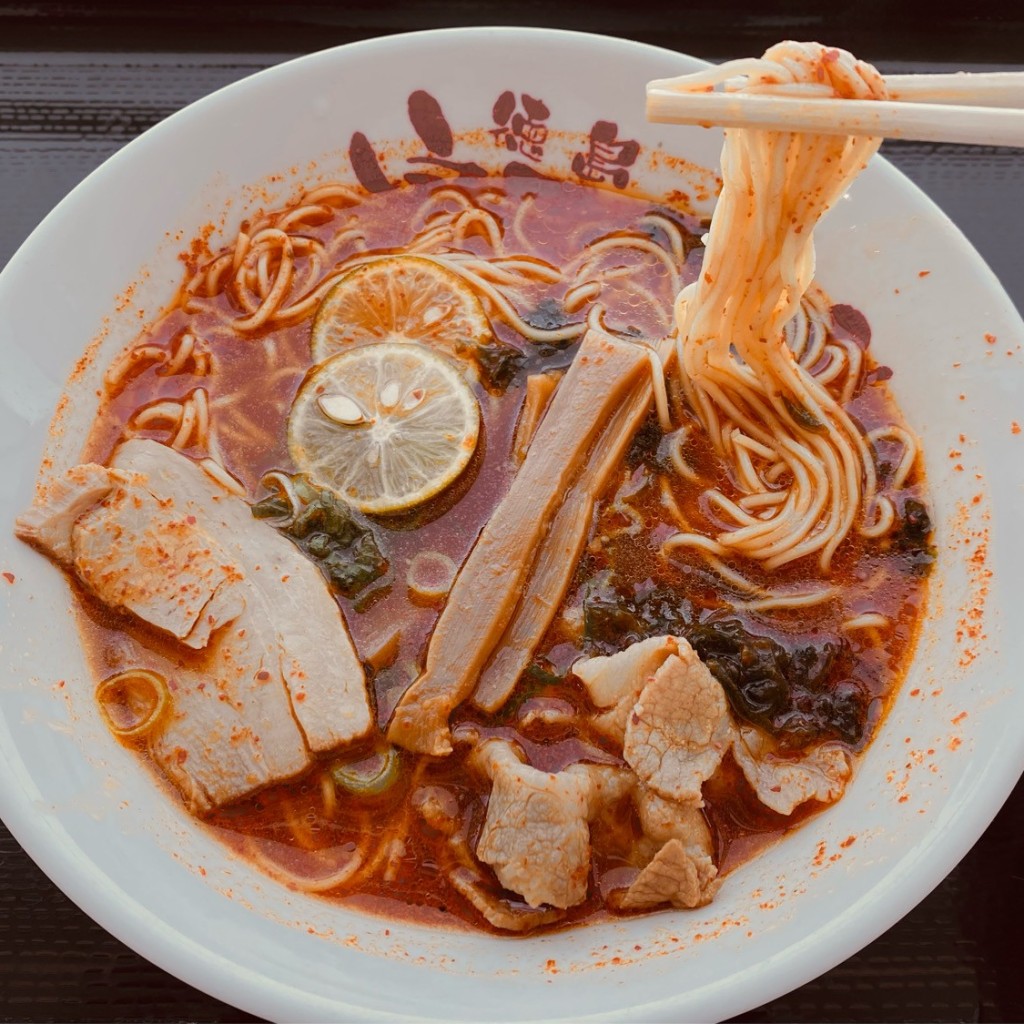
[945, 758]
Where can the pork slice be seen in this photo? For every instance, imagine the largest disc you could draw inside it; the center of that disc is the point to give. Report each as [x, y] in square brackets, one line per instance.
[487, 589]
[614, 681]
[230, 730]
[439, 810]
[679, 729]
[134, 552]
[560, 554]
[611, 677]
[607, 785]
[49, 522]
[536, 834]
[680, 869]
[673, 876]
[495, 910]
[164, 541]
[146, 555]
[662, 820]
[315, 654]
[784, 783]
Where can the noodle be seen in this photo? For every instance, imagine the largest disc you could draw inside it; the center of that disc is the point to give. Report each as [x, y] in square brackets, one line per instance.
[328, 795]
[333, 192]
[660, 395]
[738, 370]
[186, 425]
[186, 354]
[671, 230]
[869, 620]
[279, 276]
[765, 600]
[213, 469]
[579, 295]
[789, 601]
[635, 241]
[466, 221]
[312, 213]
[130, 362]
[157, 414]
[286, 487]
[524, 208]
[676, 441]
[909, 445]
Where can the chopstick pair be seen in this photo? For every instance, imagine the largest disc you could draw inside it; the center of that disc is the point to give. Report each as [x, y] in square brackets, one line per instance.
[981, 109]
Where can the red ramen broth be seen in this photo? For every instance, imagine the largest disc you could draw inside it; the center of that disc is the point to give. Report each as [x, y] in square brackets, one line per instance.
[624, 587]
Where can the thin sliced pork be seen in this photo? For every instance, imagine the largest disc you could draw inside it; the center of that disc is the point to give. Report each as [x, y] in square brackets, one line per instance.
[536, 834]
[679, 728]
[614, 681]
[680, 870]
[784, 783]
[673, 876]
[485, 594]
[496, 911]
[662, 820]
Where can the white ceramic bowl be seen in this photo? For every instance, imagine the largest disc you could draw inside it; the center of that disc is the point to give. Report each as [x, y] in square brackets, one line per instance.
[945, 759]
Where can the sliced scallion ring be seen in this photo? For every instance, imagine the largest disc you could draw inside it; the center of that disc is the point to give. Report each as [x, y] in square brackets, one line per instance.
[430, 577]
[371, 776]
[133, 702]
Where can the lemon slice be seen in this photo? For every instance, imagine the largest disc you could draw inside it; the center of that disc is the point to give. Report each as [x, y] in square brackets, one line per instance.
[384, 426]
[399, 299]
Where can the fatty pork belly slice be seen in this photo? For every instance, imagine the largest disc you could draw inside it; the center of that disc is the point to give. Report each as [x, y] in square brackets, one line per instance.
[230, 730]
[536, 833]
[144, 554]
[135, 553]
[314, 652]
[278, 674]
[482, 601]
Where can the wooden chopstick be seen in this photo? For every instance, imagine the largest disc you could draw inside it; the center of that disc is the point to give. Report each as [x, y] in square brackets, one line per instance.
[989, 110]
[961, 88]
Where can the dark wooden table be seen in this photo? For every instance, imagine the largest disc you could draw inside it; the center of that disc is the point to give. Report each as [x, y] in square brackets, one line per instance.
[79, 80]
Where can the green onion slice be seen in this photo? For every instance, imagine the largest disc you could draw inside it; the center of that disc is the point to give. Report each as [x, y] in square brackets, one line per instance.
[133, 702]
[372, 775]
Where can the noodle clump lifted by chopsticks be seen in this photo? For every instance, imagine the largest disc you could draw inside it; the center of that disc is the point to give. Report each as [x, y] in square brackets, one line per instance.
[804, 468]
